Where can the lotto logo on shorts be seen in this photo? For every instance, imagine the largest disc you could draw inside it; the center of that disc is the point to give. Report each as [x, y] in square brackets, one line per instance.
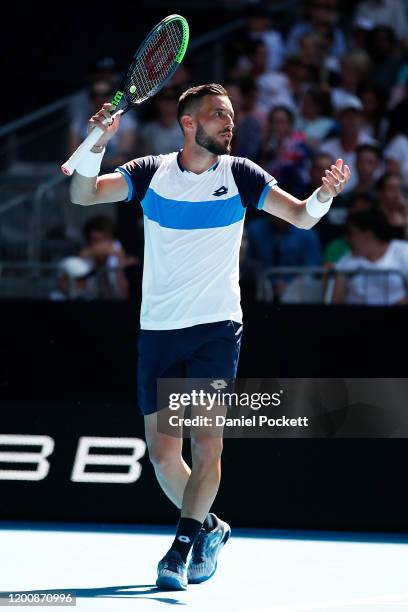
[219, 384]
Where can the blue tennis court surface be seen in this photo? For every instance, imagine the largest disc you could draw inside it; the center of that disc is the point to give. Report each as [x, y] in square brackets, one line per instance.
[261, 571]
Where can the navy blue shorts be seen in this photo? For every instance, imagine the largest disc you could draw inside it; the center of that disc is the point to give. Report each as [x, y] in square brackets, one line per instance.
[210, 350]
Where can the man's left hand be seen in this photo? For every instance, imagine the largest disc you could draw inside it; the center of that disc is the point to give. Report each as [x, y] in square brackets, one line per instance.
[334, 181]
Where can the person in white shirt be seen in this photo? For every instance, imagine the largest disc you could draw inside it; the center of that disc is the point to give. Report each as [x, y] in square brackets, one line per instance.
[194, 203]
[350, 117]
[380, 265]
[390, 13]
[259, 28]
[396, 149]
[106, 258]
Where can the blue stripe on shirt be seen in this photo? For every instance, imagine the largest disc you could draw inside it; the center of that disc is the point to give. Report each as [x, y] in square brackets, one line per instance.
[176, 214]
[123, 172]
[264, 193]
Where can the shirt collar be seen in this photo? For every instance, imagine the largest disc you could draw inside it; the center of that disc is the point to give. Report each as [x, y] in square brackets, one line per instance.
[180, 165]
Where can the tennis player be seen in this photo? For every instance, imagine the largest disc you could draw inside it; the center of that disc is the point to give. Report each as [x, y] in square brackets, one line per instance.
[194, 204]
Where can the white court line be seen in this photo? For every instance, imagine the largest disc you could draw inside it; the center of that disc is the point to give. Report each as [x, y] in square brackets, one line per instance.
[324, 605]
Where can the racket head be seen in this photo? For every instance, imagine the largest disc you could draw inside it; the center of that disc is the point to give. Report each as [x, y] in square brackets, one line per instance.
[156, 59]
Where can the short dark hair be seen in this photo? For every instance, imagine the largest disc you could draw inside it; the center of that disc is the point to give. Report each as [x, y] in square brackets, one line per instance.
[371, 148]
[384, 178]
[100, 223]
[247, 86]
[373, 220]
[319, 154]
[191, 99]
[283, 109]
[321, 97]
[363, 195]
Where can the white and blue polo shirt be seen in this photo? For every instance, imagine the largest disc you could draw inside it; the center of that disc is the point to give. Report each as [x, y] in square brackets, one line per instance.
[193, 228]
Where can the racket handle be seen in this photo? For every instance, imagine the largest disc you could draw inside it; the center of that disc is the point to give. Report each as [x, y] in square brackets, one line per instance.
[83, 150]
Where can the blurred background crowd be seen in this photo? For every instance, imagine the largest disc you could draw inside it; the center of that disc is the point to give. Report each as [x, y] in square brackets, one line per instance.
[307, 89]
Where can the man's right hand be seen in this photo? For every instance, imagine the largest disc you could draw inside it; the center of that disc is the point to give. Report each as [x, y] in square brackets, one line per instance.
[109, 129]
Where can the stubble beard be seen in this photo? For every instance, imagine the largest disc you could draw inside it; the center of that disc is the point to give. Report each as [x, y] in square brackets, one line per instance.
[210, 144]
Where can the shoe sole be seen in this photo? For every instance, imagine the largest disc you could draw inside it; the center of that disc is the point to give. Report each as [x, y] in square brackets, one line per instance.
[169, 583]
[205, 578]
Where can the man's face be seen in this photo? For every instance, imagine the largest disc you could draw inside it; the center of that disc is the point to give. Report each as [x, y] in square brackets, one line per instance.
[391, 192]
[214, 120]
[367, 164]
[351, 120]
[280, 123]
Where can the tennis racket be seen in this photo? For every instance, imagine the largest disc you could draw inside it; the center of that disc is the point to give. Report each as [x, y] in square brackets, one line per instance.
[154, 63]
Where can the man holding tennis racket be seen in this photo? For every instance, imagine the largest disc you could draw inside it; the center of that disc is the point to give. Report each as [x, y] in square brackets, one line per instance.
[194, 204]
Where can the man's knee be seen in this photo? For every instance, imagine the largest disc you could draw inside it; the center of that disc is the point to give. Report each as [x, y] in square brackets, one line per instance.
[206, 450]
[164, 451]
[164, 456]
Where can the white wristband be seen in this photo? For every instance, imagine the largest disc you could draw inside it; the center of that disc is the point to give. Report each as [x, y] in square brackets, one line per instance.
[315, 207]
[90, 165]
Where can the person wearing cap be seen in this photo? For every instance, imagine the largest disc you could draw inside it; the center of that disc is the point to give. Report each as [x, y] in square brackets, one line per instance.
[72, 279]
[107, 258]
[349, 111]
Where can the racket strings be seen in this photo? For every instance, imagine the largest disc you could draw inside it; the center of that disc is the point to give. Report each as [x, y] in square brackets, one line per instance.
[155, 63]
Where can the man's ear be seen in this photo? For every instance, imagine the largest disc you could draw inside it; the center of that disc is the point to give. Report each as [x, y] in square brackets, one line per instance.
[187, 123]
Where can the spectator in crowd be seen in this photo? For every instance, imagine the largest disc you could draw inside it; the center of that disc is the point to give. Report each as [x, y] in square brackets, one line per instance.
[385, 57]
[372, 251]
[315, 48]
[331, 225]
[319, 15]
[360, 30]
[107, 259]
[104, 70]
[163, 134]
[315, 120]
[338, 247]
[73, 273]
[400, 90]
[299, 77]
[250, 119]
[354, 69]
[274, 242]
[393, 204]
[391, 13]
[396, 149]
[259, 28]
[285, 153]
[273, 87]
[368, 167]
[374, 121]
[350, 117]
[123, 144]
[234, 92]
